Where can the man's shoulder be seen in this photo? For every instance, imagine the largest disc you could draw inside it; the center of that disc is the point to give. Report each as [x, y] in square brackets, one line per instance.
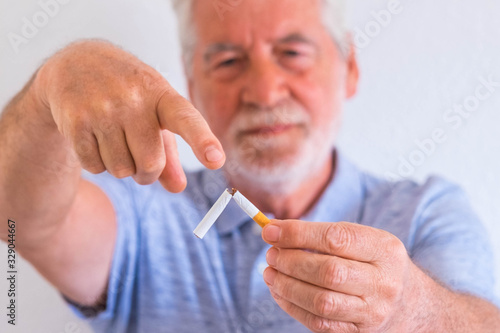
[384, 196]
[402, 193]
[405, 206]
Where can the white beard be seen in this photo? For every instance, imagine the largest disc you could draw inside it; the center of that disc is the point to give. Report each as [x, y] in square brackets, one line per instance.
[279, 175]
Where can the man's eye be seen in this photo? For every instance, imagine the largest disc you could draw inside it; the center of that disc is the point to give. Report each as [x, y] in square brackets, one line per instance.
[296, 58]
[292, 53]
[227, 63]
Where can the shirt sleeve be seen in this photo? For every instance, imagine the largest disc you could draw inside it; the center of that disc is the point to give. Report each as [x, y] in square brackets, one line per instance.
[116, 314]
[452, 245]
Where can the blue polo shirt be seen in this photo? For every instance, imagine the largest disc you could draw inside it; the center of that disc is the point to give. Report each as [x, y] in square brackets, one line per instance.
[164, 279]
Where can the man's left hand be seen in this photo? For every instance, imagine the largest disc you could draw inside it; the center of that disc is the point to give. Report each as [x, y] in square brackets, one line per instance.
[341, 277]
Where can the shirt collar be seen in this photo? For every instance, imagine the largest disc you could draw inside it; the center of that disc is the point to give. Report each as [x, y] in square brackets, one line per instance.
[342, 200]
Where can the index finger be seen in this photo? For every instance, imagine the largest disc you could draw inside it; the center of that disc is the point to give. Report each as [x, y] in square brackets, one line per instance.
[342, 239]
[179, 116]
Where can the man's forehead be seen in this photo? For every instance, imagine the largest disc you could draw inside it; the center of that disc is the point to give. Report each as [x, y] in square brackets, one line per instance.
[270, 19]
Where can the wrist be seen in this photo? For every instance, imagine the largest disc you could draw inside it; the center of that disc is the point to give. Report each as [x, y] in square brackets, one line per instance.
[427, 303]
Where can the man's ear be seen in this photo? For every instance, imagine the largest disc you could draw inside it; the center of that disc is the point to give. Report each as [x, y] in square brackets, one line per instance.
[352, 77]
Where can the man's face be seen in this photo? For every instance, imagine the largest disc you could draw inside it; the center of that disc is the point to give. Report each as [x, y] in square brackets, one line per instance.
[270, 81]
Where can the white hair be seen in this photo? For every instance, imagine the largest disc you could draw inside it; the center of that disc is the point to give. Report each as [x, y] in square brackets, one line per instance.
[333, 15]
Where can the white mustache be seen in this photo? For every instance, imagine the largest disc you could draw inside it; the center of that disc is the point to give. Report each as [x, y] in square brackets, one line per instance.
[249, 118]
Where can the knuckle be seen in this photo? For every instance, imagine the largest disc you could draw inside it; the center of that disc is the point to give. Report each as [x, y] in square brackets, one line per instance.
[126, 99]
[186, 115]
[283, 286]
[141, 180]
[396, 247]
[95, 168]
[307, 265]
[277, 297]
[133, 99]
[343, 327]
[392, 291]
[71, 160]
[338, 237]
[324, 304]
[86, 149]
[379, 316]
[144, 180]
[92, 163]
[151, 167]
[334, 273]
[106, 126]
[391, 250]
[152, 81]
[388, 286]
[189, 122]
[317, 324]
[121, 171]
[76, 125]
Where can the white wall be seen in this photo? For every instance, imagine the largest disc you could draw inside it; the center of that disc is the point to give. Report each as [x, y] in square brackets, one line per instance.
[430, 57]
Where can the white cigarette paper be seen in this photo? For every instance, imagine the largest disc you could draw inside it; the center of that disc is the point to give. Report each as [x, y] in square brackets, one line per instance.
[250, 209]
[245, 204]
[219, 206]
[212, 215]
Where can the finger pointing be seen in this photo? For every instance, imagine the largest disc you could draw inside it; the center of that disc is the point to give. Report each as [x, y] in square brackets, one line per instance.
[179, 116]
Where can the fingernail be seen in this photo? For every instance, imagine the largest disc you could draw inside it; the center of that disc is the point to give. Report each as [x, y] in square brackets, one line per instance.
[269, 276]
[272, 256]
[213, 154]
[272, 233]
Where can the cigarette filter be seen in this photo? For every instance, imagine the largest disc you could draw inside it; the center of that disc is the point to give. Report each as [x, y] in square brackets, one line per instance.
[250, 209]
[212, 215]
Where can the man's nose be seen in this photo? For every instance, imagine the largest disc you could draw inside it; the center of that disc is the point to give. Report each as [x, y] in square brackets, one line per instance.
[266, 84]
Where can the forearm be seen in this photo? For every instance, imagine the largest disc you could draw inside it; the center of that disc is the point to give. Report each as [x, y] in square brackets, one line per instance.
[482, 315]
[39, 173]
[77, 259]
[41, 189]
[467, 314]
[443, 310]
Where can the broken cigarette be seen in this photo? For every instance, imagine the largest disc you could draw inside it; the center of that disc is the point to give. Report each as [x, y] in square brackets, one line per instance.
[212, 215]
[250, 209]
[219, 206]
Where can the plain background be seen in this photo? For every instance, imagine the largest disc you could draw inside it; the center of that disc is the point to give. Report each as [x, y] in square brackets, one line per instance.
[430, 57]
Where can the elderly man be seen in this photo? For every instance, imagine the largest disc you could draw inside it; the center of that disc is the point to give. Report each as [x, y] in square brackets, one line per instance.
[268, 78]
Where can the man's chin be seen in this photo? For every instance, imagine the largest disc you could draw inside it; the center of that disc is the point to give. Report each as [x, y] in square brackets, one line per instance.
[275, 172]
[272, 160]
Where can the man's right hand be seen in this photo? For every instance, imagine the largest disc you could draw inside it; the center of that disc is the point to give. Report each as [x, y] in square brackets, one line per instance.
[119, 115]
[95, 106]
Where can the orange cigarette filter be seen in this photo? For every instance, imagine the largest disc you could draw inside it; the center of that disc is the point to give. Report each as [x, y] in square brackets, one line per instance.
[250, 209]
